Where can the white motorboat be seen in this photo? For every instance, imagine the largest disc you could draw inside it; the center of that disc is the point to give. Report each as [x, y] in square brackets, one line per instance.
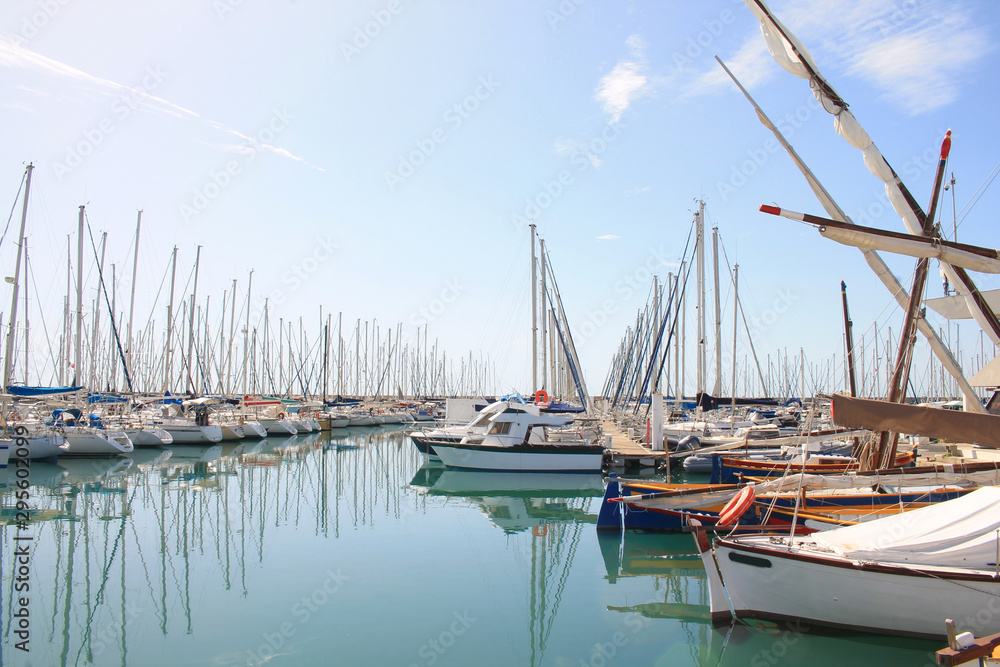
[5, 446]
[903, 574]
[516, 439]
[455, 434]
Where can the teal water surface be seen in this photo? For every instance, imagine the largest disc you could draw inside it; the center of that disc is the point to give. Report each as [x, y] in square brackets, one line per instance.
[346, 549]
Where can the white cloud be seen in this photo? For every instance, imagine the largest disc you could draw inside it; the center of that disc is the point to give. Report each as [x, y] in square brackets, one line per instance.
[626, 82]
[914, 52]
[608, 237]
[637, 190]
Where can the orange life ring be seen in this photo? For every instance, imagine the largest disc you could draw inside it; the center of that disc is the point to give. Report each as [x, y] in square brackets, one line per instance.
[281, 415]
[541, 531]
[541, 396]
[736, 506]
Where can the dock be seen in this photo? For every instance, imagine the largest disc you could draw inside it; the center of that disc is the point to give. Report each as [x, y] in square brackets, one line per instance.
[626, 452]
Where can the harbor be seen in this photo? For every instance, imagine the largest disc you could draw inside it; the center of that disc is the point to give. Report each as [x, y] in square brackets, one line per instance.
[384, 333]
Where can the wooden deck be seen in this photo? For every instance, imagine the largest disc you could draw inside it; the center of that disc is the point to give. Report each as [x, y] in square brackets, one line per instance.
[626, 452]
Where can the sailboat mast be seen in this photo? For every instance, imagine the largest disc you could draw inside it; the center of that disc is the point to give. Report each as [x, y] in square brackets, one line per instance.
[229, 351]
[131, 305]
[170, 322]
[848, 326]
[67, 330]
[78, 357]
[717, 391]
[246, 333]
[7, 365]
[545, 317]
[97, 315]
[194, 296]
[700, 302]
[534, 315]
[27, 328]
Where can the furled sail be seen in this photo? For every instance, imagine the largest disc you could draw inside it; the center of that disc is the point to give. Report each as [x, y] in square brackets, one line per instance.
[874, 260]
[975, 258]
[792, 56]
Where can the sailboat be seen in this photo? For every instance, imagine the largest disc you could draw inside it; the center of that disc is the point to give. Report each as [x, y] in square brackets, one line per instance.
[904, 574]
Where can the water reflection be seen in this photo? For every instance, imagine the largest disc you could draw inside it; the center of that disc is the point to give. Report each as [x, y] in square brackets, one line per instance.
[553, 508]
[136, 543]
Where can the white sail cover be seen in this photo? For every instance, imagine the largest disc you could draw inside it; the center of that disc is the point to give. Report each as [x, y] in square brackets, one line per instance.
[782, 45]
[860, 238]
[956, 307]
[960, 533]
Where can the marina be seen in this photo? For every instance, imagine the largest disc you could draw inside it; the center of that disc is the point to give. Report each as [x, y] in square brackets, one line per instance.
[161, 552]
[344, 402]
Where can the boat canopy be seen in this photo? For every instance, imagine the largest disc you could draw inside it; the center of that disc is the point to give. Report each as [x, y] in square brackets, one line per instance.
[27, 392]
[953, 425]
[106, 398]
[956, 533]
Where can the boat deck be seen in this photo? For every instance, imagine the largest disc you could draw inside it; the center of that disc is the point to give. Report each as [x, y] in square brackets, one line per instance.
[625, 452]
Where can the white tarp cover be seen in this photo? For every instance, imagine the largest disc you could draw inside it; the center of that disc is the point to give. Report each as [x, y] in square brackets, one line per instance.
[961, 533]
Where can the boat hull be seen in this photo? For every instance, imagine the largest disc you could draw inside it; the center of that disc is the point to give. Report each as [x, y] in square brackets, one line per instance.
[278, 427]
[192, 434]
[774, 584]
[149, 437]
[232, 431]
[97, 443]
[525, 458]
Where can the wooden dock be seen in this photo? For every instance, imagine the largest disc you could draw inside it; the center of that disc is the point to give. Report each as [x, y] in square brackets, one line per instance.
[627, 453]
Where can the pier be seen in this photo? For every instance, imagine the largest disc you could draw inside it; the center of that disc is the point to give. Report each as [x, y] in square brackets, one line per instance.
[626, 452]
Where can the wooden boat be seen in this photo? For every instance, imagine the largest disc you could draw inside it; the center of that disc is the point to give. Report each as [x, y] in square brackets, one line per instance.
[903, 574]
[727, 470]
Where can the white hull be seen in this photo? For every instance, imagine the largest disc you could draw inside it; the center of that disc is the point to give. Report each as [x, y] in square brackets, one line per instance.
[232, 431]
[192, 434]
[5, 446]
[149, 436]
[96, 443]
[302, 425]
[545, 458]
[846, 594]
[254, 430]
[278, 427]
[363, 420]
[339, 422]
[42, 446]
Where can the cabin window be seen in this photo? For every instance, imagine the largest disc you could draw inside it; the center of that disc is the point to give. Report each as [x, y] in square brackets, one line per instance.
[500, 428]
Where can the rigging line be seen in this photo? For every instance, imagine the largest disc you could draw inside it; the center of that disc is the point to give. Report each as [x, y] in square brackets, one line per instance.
[107, 300]
[45, 329]
[13, 208]
[973, 200]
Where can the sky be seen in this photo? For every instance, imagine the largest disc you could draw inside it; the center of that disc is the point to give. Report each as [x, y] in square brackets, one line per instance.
[381, 159]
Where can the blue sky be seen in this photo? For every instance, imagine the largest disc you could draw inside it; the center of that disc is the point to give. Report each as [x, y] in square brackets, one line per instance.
[377, 158]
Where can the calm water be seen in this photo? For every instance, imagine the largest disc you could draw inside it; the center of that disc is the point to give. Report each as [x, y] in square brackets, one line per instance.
[343, 550]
